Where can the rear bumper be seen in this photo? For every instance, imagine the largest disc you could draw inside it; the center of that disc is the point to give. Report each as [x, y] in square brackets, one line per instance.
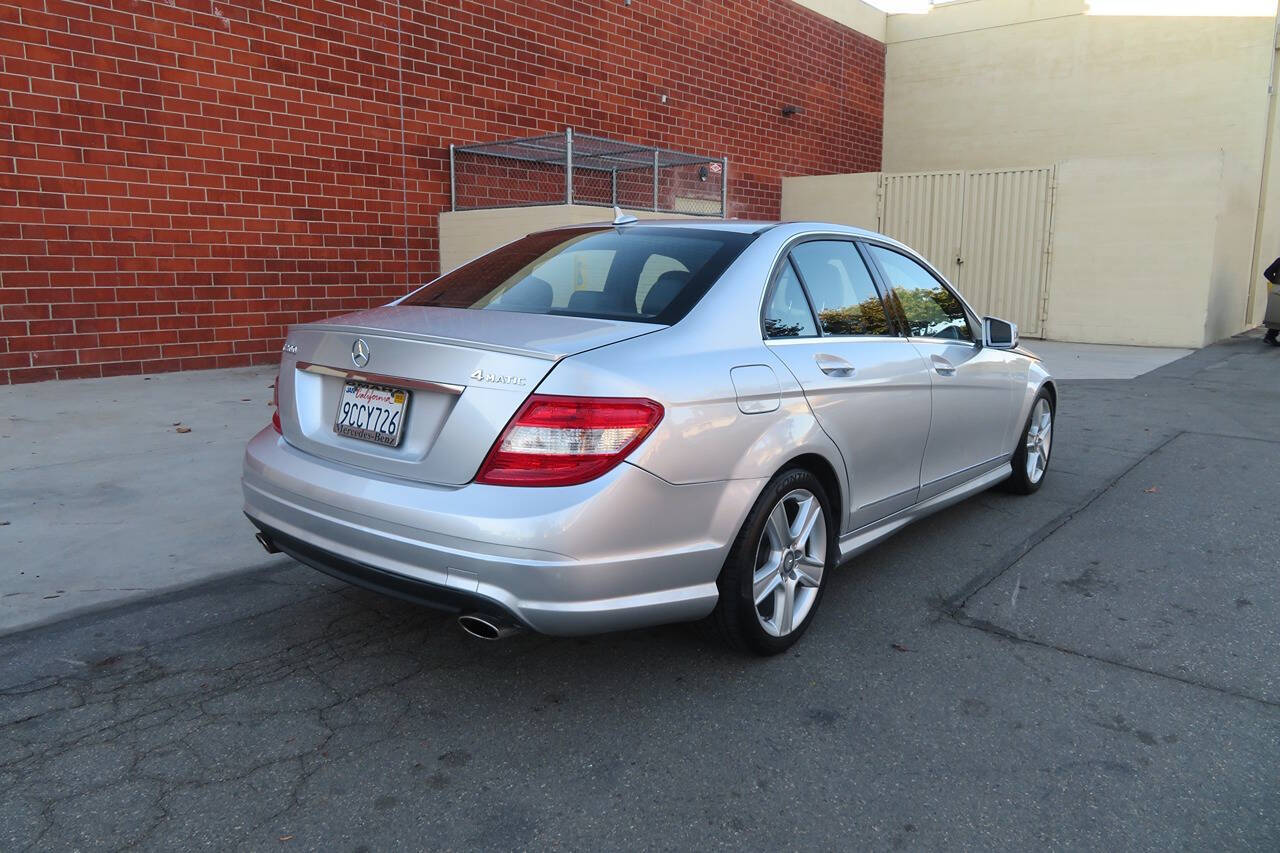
[378, 580]
[623, 551]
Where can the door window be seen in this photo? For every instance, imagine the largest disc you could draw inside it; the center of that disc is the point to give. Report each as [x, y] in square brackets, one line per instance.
[843, 294]
[786, 313]
[931, 309]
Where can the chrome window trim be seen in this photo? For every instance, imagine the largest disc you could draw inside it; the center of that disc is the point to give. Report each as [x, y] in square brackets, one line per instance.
[870, 339]
[783, 255]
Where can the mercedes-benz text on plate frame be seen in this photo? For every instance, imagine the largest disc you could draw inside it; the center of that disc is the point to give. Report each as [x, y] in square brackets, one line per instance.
[371, 413]
[609, 426]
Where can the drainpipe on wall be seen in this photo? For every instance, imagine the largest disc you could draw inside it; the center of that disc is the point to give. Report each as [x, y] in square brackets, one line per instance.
[1254, 274]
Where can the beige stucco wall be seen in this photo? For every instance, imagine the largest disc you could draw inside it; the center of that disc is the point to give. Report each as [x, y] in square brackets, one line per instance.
[1151, 250]
[1268, 242]
[1230, 277]
[843, 199]
[996, 83]
[1000, 83]
[1133, 250]
[466, 234]
[853, 14]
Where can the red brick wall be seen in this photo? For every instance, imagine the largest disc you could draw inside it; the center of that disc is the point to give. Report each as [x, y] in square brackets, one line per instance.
[181, 180]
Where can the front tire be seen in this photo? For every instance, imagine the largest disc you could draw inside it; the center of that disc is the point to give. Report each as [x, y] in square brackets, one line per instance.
[1031, 459]
[774, 577]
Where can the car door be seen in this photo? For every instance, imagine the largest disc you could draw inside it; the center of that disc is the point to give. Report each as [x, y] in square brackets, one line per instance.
[869, 388]
[973, 391]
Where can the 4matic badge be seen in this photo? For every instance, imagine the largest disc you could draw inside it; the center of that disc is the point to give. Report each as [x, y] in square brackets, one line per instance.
[496, 378]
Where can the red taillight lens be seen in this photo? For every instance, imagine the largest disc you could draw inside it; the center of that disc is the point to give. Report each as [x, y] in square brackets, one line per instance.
[563, 441]
[275, 405]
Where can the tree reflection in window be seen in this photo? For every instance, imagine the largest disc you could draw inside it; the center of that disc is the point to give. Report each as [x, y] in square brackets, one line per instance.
[932, 311]
[863, 318]
[787, 315]
[774, 328]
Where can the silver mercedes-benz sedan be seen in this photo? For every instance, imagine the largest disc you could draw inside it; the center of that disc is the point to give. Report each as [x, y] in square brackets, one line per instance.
[623, 424]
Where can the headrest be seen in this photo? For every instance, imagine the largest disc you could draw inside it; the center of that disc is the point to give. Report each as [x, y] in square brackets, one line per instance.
[665, 289]
[593, 302]
[531, 294]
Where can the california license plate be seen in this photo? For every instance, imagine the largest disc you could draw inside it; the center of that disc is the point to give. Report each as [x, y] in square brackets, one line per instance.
[371, 413]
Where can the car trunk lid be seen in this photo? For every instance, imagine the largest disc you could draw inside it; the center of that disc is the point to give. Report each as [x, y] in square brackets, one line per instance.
[465, 373]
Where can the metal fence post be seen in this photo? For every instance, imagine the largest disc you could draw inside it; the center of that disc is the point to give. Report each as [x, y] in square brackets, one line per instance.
[453, 181]
[568, 165]
[724, 187]
[614, 173]
[655, 180]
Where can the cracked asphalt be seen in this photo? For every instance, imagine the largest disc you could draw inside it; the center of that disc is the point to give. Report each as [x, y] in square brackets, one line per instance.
[1094, 666]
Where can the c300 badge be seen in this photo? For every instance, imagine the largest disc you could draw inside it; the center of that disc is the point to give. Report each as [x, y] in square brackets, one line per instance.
[496, 378]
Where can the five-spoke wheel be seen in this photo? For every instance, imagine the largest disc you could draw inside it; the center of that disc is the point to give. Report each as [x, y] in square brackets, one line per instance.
[1031, 459]
[790, 560]
[1039, 434]
[772, 582]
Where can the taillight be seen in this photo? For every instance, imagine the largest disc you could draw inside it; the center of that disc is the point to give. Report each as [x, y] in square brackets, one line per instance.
[563, 441]
[275, 405]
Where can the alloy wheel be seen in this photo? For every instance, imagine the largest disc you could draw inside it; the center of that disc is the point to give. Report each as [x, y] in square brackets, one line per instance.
[1039, 435]
[790, 559]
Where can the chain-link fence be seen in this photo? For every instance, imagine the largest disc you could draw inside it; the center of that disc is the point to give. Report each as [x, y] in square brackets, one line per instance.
[572, 168]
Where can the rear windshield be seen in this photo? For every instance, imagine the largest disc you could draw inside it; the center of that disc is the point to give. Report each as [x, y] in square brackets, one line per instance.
[649, 275]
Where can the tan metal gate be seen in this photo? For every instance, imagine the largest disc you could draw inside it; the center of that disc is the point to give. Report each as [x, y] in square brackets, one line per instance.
[924, 210]
[988, 231]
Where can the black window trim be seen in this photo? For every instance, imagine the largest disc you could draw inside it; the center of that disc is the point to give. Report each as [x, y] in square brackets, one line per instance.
[882, 281]
[898, 327]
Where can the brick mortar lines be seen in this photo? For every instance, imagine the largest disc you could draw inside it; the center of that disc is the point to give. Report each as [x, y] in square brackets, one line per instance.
[181, 182]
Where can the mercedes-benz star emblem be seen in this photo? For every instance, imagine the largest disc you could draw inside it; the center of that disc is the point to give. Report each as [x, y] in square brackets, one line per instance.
[360, 353]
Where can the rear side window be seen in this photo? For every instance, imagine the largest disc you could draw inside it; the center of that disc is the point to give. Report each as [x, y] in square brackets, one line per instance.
[787, 314]
[931, 309]
[651, 275]
[841, 288]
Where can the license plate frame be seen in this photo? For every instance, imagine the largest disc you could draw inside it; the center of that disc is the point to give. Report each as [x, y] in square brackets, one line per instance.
[383, 407]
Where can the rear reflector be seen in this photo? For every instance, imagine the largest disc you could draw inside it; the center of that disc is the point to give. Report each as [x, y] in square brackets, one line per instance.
[563, 441]
[275, 405]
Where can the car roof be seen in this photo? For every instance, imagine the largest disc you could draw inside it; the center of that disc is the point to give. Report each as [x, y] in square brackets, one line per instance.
[740, 226]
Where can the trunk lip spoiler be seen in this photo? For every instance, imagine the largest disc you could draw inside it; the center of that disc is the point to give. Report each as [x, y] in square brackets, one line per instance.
[382, 379]
[432, 339]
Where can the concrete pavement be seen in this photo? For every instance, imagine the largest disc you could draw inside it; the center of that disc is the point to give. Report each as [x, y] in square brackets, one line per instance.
[105, 501]
[1102, 361]
[1093, 666]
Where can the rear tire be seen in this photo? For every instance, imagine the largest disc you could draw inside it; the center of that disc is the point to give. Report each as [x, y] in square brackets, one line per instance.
[775, 574]
[1031, 459]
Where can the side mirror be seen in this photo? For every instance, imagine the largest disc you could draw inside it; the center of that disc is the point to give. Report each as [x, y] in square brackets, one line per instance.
[999, 334]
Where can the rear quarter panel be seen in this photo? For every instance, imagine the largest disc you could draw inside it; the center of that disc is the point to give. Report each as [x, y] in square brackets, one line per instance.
[703, 436]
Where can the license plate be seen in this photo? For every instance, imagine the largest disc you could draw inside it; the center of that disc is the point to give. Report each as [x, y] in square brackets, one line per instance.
[371, 413]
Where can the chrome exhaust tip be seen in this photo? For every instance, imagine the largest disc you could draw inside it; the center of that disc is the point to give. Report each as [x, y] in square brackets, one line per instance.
[484, 627]
[266, 543]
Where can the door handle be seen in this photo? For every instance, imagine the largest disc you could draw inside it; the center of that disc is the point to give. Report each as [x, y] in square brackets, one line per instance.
[834, 365]
[942, 366]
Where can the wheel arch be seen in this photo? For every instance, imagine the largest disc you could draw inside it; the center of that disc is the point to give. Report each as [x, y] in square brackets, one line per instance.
[1049, 386]
[820, 467]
